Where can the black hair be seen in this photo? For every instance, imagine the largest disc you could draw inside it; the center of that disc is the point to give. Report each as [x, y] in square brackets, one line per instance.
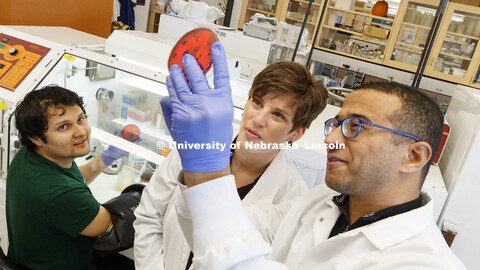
[419, 116]
[31, 114]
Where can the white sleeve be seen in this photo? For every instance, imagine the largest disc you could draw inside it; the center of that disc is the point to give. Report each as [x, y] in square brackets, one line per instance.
[148, 225]
[223, 236]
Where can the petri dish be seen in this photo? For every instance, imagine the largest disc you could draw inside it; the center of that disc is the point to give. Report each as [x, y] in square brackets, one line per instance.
[130, 133]
[198, 43]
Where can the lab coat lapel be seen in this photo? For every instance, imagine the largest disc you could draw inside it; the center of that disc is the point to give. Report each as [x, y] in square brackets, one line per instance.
[269, 183]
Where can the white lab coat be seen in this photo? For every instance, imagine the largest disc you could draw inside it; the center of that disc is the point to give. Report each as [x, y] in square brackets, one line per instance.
[410, 240]
[159, 241]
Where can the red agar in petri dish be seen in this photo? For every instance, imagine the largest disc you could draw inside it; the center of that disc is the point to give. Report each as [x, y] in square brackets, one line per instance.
[197, 43]
[131, 133]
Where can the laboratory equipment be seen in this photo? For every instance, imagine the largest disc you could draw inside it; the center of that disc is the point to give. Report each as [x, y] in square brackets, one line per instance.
[459, 165]
[198, 43]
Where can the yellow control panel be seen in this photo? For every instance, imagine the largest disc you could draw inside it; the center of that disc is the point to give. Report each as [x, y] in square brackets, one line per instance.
[17, 59]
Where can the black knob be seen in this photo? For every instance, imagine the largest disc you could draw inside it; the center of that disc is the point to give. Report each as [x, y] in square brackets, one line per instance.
[13, 51]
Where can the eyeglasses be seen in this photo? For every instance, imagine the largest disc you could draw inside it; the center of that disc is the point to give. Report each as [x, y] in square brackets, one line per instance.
[351, 127]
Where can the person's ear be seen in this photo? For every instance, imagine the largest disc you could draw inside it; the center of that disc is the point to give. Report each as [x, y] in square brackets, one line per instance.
[36, 140]
[296, 135]
[419, 153]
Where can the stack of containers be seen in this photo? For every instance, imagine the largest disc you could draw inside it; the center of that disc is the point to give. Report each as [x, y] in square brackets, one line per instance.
[135, 110]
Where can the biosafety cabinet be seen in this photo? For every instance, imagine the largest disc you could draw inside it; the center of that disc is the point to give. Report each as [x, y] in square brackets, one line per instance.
[115, 92]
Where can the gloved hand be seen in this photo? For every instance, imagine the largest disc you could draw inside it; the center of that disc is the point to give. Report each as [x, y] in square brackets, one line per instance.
[196, 114]
[113, 153]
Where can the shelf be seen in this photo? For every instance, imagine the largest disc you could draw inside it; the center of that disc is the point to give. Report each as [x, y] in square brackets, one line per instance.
[306, 2]
[350, 55]
[454, 41]
[342, 30]
[416, 25]
[146, 85]
[455, 56]
[381, 25]
[361, 13]
[362, 38]
[124, 144]
[410, 48]
[359, 36]
[301, 21]
[462, 35]
[151, 131]
[261, 11]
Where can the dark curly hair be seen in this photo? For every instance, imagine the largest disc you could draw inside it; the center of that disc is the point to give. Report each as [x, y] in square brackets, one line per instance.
[31, 114]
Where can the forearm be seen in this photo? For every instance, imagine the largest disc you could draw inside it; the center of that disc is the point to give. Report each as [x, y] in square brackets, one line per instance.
[92, 169]
[224, 237]
[195, 178]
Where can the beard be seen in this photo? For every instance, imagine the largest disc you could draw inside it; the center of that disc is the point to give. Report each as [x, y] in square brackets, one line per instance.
[369, 177]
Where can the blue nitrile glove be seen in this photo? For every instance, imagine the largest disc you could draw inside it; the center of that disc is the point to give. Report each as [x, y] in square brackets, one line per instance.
[113, 153]
[196, 114]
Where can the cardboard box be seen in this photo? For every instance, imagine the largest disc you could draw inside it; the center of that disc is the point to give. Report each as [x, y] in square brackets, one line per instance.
[375, 31]
[360, 4]
[345, 4]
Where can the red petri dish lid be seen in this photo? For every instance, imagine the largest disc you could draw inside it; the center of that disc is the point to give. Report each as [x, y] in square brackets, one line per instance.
[197, 43]
[130, 133]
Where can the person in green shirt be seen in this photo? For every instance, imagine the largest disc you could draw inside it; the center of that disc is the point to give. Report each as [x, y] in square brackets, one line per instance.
[51, 213]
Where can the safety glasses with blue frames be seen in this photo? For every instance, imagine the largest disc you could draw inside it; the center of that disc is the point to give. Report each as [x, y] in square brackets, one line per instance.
[351, 127]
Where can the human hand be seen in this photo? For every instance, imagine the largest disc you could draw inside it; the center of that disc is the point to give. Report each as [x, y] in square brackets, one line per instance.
[196, 114]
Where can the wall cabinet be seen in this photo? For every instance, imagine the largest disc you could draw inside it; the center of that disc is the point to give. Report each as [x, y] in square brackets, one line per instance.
[397, 40]
[269, 8]
[455, 53]
[355, 32]
[410, 34]
[294, 12]
[289, 11]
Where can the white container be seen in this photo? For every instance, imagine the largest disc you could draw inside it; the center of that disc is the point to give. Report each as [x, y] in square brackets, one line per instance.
[459, 72]
[125, 178]
[345, 4]
[137, 163]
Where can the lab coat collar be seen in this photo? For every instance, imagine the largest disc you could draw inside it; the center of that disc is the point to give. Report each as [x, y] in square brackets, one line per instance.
[393, 230]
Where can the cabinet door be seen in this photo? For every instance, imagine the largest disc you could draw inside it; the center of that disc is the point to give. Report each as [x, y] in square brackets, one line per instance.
[455, 51]
[410, 34]
[269, 8]
[355, 32]
[295, 13]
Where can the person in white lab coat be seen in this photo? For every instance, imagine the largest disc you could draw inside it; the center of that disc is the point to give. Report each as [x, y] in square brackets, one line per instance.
[283, 101]
[372, 215]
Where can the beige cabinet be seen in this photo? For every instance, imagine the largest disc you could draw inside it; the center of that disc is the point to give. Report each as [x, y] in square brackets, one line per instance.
[269, 8]
[396, 40]
[408, 37]
[294, 12]
[355, 33]
[455, 54]
[289, 11]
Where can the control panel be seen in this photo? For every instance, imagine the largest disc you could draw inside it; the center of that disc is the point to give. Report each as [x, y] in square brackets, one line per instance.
[17, 59]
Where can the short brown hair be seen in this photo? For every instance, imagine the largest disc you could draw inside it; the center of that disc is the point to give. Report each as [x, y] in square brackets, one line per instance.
[419, 116]
[293, 79]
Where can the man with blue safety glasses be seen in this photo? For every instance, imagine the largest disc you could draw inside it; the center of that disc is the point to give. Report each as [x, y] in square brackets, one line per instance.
[352, 126]
[371, 214]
